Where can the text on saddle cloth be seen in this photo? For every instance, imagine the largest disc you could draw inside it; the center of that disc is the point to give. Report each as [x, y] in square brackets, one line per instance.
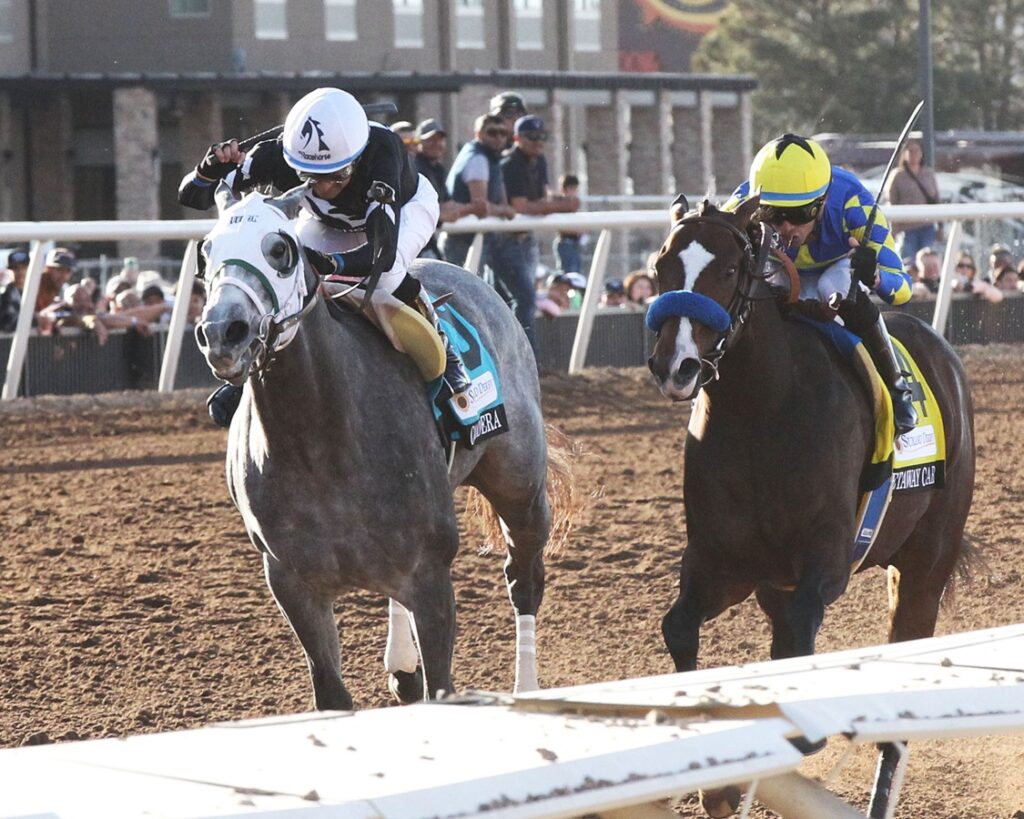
[481, 412]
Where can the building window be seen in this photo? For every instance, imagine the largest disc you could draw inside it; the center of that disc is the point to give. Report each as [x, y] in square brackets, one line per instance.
[6, 23]
[271, 19]
[340, 19]
[408, 23]
[588, 25]
[190, 8]
[530, 25]
[469, 24]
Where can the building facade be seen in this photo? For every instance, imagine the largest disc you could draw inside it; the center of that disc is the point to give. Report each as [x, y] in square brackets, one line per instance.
[103, 106]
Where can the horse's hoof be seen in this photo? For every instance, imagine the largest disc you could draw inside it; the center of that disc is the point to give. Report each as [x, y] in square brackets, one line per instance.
[406, 687]
[721, 802]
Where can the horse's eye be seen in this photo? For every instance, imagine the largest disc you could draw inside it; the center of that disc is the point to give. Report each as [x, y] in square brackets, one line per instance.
[277, 251]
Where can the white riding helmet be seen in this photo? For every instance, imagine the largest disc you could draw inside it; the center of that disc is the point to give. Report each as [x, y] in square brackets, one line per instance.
[325, 131]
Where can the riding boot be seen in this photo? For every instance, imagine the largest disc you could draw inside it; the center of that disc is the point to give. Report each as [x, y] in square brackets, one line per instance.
[879, 345]
[223, 403]
[455, 370]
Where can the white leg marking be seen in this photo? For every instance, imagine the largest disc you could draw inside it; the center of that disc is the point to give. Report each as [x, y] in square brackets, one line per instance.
[526, 654]
[400, 653]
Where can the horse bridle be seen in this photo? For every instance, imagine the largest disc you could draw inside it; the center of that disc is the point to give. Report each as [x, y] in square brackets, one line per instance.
[751, 280]
[269, 331]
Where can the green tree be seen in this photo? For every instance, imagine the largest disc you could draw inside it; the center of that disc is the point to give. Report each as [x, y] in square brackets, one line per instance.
[852, 65]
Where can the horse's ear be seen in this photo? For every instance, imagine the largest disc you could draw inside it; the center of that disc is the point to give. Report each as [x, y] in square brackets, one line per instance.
[679, 208]
[290, 201]
[745, 212]
[224, 196]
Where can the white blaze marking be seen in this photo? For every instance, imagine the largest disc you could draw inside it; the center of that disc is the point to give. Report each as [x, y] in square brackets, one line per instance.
[695, 257]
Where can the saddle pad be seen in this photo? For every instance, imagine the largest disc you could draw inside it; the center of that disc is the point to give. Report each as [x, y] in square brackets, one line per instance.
[481, 413]
[919, 462]
[915, 462]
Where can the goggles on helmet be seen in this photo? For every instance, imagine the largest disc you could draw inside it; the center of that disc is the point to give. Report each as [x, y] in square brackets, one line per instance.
[798, 215]
[341, 175]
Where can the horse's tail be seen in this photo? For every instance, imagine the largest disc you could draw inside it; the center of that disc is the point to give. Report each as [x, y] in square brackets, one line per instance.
[969, 565]
[563, 497]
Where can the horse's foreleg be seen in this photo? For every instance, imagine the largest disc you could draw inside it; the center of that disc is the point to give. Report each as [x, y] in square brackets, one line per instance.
[311, 617]
[795, 615]
[401, 657]
[432, 604]
[703, 594]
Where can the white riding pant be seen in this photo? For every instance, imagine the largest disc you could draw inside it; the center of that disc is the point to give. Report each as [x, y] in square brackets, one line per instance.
[819, 286]
[417, 225]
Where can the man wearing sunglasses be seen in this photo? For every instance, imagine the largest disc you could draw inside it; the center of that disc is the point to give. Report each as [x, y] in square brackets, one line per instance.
[820, 214]
[525, 172]
[363, 193]
[475, 182]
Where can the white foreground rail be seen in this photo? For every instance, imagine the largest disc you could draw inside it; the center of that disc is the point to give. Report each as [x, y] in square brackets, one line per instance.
[615, 749]
[604, 221]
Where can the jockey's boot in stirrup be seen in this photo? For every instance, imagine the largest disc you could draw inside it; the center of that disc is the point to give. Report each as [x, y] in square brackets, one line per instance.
[455, 370]
[879, 345]
[223, 403]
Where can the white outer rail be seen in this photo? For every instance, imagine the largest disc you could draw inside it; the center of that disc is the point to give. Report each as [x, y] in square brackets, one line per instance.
[192, 229]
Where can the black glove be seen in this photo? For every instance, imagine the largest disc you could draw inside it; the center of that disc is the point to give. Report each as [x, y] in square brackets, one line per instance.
[325, 264]
[213, 168]
[864, 265]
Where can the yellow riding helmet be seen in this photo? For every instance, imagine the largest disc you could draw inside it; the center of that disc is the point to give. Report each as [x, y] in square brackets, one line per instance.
[790, 171]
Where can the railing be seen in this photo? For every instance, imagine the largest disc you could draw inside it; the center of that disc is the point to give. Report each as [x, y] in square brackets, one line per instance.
[36, 233]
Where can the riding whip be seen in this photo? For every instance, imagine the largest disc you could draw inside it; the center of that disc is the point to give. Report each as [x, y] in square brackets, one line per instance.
[873, 214]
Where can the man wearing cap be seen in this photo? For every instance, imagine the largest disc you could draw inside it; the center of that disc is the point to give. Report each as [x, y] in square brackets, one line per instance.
[509, 106]
[10, 294]
[57, 271]
[407, 132]
[525, 172]
[431, 144]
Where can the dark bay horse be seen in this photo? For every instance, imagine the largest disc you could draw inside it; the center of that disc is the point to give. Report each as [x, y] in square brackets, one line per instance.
[336, 466]
[779, 434]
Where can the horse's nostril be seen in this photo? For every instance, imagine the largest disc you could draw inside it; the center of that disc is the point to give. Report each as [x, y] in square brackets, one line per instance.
[650, 365]
[687, 371]
[236, 332]
[201, 339]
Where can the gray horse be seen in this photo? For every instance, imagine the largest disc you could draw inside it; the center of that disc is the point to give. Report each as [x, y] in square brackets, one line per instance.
[336, 466]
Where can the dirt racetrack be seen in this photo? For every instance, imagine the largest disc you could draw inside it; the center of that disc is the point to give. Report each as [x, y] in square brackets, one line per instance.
[132, 601]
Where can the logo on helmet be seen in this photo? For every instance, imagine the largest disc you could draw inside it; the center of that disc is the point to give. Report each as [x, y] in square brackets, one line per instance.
[308, 127]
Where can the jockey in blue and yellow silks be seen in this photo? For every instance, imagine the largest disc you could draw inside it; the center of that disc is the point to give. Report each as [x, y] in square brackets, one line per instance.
[820, 213]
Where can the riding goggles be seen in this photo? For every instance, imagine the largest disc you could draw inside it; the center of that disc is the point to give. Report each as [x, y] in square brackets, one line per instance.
[799, 215]
[342, 175]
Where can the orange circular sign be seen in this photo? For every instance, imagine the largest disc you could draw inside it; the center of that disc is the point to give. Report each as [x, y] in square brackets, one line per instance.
[699, 16]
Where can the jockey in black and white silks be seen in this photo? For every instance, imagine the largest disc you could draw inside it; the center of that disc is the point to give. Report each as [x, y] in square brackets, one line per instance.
[362, 193]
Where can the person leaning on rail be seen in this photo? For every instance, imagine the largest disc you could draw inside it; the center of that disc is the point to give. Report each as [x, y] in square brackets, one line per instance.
[820, 213]
[362, 191]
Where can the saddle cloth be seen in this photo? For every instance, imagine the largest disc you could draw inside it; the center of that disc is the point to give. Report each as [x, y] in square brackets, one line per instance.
[915, 461]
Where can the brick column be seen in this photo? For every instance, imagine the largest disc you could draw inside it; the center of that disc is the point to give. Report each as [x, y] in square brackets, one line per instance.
[8, 160]
[686, 150]
[53, 192]
[202, 125]
[137, 160]
[607, 132]
[645, 150]
[729, 167]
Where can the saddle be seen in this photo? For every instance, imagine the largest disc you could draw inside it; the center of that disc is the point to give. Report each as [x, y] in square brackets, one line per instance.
[481, 413]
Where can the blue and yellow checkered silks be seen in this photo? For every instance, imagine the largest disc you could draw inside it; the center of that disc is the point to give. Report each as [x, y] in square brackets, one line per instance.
[845, 214]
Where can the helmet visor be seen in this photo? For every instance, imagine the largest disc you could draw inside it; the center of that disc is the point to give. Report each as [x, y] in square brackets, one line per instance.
[798, 215]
